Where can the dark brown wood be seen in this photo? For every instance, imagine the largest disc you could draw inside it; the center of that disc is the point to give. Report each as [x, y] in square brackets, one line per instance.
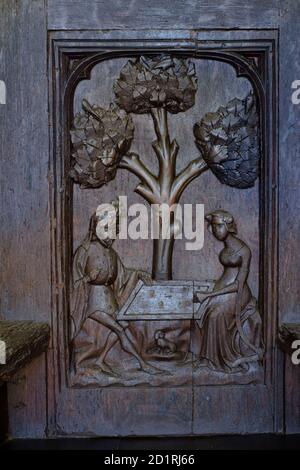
[242, 419]
[158, 86]
[287, 334]
[292, 400]
[102, 287]
[27, 396]
[43, 403]
[24, 197]
[97, 155]
[3, 414]
[24, 340]
[232, 152]
[157, 15]
[289, 200]
[74, 218]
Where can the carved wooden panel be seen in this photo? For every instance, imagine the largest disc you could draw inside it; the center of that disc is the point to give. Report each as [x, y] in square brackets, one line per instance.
[41, 401]
[163, 122]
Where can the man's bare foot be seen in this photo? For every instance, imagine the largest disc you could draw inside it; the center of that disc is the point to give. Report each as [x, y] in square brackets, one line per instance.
[106, 369]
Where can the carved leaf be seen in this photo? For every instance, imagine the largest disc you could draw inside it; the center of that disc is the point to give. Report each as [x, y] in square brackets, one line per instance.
[100, 138]
[153, 82]
[229, 142]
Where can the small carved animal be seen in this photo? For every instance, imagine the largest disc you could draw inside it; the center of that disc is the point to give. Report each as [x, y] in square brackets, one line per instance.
[164, 344]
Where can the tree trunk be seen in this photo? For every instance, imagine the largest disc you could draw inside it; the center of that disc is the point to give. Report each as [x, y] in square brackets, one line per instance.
[166, 152]
[165, 188]
[162, 258]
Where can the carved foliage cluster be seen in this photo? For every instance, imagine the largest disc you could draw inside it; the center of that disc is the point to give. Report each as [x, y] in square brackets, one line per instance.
[228, 139]
[156, 81]
[100, 138]
[229, 142]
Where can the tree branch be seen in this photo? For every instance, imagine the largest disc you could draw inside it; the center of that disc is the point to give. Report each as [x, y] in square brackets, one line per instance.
[174, 151]
[147, 194]
[160, 119]
[166, 152]
[162, 146]
[133, 163]
[186, 176]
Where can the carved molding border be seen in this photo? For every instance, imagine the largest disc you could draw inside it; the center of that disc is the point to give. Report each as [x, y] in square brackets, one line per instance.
[72, 57]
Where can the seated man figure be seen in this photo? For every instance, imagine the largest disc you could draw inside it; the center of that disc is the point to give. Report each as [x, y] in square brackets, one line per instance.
[101, 285]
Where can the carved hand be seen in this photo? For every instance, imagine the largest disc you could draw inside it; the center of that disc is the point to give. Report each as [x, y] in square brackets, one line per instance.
[146, 278]
[199, 296]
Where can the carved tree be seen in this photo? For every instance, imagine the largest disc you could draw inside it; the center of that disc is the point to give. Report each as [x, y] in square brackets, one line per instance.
[159, 86]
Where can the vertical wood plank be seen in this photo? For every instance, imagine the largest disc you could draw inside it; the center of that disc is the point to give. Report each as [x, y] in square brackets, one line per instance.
[3, 413]
[292, 400]
[289, 201]
[24, 194]
[289, 174]
[27, 401]
[24, 212]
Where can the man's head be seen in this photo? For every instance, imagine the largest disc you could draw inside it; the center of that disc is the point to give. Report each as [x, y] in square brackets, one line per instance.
[107, 222]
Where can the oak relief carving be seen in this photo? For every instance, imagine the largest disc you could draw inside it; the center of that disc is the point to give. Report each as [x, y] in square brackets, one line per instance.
[228, 319]
[198, 328]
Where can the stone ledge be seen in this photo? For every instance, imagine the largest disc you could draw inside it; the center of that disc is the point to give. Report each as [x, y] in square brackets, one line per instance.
[24, 340]
[288, 332]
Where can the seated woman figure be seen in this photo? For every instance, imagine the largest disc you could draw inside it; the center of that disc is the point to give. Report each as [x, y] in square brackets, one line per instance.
[228, 319]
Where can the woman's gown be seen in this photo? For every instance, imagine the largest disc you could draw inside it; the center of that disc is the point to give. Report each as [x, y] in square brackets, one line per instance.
[229, 338]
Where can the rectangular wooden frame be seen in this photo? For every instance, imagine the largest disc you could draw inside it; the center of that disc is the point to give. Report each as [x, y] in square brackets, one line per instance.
[253, 53]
